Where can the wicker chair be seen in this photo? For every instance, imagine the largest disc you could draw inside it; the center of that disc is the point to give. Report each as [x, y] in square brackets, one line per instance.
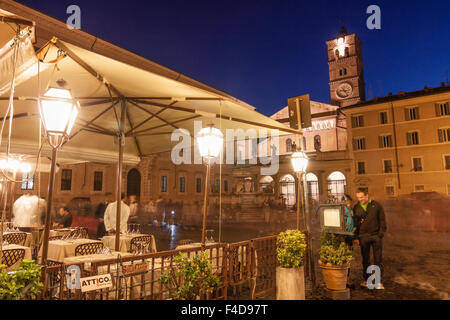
[185, 242]
[12, 256]
[141, 242]
[55, 238]
[88, 248]
[15, 238]
[81, 230]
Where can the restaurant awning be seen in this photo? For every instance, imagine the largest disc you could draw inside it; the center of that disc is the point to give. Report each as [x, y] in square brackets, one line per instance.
[155, 106]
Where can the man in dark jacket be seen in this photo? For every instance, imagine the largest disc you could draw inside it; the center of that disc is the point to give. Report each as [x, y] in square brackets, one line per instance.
[370, 224]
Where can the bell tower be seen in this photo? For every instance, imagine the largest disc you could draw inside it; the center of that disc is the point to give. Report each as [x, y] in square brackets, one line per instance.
[346, 69]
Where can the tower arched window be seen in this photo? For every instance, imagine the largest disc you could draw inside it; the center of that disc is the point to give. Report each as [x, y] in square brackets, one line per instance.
[340, 72]
[345, 71]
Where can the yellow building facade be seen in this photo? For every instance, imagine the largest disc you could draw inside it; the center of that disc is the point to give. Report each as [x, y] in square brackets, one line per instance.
[400, 144]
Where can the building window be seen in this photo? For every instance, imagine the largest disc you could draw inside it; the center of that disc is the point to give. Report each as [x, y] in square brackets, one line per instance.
[385, 141]
[217, 185]
[412, 138]
[225, 185]
[387, 166]
[340, 72]
[390, 191]
[383, 117]
[361, 168]
[198, 186]
[359, 143]
[412, 114]
[357, 121]
[27, 181]
[182, 184]
[163, 183]
[419, 187]
[66, 179]
[442, 109]
[447, 162]
[417, 164]
[288, 145]
[345, 71]
[444, 134]
[98, 181]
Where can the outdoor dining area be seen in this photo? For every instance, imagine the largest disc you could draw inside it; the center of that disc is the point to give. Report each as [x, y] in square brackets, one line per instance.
[68, 103]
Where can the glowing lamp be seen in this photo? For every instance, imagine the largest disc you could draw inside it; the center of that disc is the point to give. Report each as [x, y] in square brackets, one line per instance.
[59, 111]
[299, 162]
[210, 141]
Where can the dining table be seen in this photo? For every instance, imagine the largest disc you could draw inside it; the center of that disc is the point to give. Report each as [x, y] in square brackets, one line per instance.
[58, 250]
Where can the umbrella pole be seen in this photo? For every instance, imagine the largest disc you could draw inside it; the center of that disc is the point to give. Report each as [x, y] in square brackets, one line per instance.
[119, 174]
[49, 208]
[119, 193]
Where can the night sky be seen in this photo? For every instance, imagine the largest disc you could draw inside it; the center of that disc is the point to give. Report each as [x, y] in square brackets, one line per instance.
[263, 52]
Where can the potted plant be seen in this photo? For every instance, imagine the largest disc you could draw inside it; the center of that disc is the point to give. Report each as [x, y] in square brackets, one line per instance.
[190, 279]
[24, 283]
[290, 275]
[335, 256]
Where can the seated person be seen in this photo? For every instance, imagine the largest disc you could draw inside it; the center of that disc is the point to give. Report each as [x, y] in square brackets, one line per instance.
[65, 220]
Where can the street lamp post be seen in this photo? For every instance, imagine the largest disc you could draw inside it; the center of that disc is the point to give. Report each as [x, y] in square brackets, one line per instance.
[300, 163]
[58, 113]
[210, 141]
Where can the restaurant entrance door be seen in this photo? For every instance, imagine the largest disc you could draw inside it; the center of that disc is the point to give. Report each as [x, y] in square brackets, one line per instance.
[134, 183]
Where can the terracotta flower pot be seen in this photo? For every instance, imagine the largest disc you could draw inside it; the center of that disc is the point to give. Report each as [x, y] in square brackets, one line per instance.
[335, 276]
[290, 283]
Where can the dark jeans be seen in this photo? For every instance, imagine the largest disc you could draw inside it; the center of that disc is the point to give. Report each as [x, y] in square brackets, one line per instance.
[376, 243]
[101, 231]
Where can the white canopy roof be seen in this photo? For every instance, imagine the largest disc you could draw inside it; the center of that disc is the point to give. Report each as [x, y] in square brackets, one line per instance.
[156, 104]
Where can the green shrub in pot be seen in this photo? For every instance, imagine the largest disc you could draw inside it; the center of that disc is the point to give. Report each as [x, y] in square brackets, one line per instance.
[291, 249]
[24, 283]
[333, 249]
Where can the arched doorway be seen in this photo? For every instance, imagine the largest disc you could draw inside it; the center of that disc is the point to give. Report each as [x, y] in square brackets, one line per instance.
[266, 184]
[287, 189]
[337, 186]
[134, 183]
[313, 186]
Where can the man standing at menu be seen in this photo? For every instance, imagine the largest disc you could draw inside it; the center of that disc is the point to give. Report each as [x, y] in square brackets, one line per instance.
[110, 216]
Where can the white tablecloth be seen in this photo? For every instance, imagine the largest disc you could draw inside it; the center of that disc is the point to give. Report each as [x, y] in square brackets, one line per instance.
[58, 250]
[125, 242]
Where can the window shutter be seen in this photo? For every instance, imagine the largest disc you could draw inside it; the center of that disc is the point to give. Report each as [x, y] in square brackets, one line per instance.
[407, 118]
[417, 114]
[354, 144]
[408, 138]
[361, 121]
[380, 141]
[438, 109]
[441, 135]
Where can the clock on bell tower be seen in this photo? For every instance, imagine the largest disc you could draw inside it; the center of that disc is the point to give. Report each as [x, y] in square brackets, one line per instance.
[346, 69]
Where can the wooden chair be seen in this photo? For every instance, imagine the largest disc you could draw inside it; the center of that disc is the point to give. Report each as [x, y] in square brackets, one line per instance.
[141, 242]
[185, 242]
[88, 248]
[15, 238]
[12, 256]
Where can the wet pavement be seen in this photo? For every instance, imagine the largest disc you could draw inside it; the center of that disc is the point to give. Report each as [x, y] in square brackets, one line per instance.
[416, 262]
